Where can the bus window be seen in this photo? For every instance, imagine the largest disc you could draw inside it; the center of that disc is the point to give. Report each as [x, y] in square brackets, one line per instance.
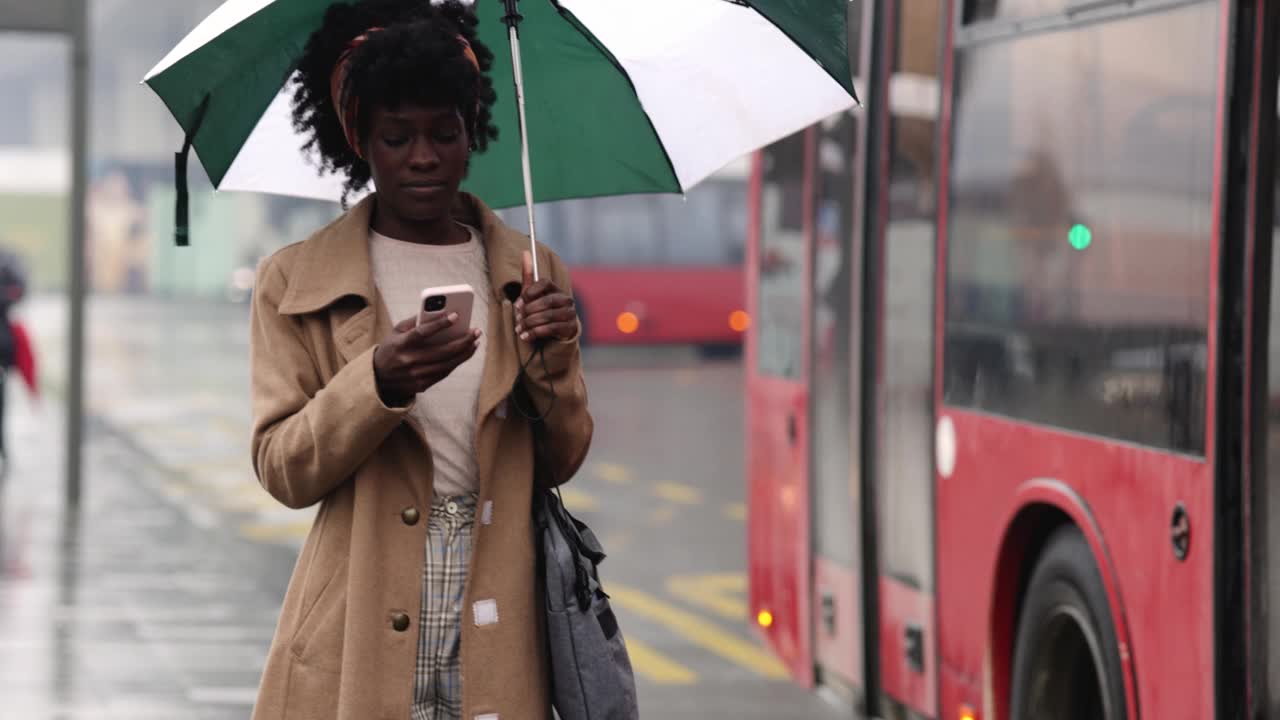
[709, 227]
[706, 227]
[979, 10]
[553, 230]
[1081, 227]
[780, 315]
[834, 365]
[625, 230]
[906, 273]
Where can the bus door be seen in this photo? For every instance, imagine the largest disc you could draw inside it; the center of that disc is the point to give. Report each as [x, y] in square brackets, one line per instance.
[835, 375]
[1257, 132]
[900, 352]
[778, 401]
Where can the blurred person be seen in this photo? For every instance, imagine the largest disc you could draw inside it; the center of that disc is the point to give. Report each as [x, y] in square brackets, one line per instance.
[415, 595]
[119, 247]
[15, 346]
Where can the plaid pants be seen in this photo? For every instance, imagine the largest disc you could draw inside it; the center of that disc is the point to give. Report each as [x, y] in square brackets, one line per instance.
[437, 684]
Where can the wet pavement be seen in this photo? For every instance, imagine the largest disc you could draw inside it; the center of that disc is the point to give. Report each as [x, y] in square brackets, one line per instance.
[158, 599]
[124, 609]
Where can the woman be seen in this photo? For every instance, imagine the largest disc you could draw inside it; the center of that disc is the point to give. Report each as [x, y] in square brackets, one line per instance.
[415, 594]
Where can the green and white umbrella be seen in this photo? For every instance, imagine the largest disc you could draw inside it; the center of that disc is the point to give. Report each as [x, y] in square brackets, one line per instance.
[622, 96]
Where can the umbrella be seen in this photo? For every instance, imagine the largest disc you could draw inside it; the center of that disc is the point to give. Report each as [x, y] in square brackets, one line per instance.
[618, 96]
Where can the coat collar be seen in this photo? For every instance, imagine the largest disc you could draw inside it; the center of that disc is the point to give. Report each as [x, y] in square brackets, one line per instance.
[335, 262]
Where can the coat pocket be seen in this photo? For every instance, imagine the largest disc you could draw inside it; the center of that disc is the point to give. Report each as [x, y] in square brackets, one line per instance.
[318, 639]
[313, 693]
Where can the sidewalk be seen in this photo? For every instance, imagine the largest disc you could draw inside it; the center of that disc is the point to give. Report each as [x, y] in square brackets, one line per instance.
[128, 609]
[161, 601]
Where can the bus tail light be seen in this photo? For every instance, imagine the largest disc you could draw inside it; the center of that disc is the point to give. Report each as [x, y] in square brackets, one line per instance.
[968, 713]
[628, 323]
[739, 321]
[764, 619]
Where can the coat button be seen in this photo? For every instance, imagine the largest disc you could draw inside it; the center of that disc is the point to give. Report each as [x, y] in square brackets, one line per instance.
[400, 622]
[410, 516]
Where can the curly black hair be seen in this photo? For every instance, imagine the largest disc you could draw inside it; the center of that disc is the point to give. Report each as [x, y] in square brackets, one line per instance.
[416, 59]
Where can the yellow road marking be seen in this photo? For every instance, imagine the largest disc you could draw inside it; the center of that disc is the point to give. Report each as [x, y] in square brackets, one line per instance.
[276, 531]
[736, 511]
[177, 488]
[720, 593]
[230, 426]
[657, 667]
[677, 493]
[616, 540]
[662, 515]
[170, 431]
[577, 501]
[699, 632]
[237, 465]
[244, 496]
[234, 497]
[612, 473]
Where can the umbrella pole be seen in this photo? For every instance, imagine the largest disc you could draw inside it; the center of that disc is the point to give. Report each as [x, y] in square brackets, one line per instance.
[512, 20]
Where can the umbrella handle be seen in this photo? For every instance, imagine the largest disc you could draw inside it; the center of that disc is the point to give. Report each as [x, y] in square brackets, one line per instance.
[512, 20]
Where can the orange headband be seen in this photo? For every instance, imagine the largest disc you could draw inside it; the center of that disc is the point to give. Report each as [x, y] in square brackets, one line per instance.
[347, 106]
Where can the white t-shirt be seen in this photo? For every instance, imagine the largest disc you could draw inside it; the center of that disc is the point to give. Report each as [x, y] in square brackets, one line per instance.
[447, 410]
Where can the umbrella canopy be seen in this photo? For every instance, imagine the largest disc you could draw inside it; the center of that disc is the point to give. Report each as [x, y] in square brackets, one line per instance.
[623, 96]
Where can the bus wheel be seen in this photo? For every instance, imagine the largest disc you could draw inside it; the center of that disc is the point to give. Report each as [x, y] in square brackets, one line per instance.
[1066, 662]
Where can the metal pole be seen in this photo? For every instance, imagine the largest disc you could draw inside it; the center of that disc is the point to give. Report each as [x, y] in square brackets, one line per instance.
[79, 26]
[512, 20]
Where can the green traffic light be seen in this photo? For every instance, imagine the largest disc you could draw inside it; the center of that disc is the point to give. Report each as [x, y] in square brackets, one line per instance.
[1080, 237]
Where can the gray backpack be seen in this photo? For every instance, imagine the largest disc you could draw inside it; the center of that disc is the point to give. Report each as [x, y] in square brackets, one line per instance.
[591, 677]
[590, 669]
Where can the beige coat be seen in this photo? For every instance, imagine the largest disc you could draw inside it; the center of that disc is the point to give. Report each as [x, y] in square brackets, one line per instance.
[347, 637]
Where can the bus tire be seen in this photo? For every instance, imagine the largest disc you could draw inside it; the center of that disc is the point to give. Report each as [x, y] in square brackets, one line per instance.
[1066, 661]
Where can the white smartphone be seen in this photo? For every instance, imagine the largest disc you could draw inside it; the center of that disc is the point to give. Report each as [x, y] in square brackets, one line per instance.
[441, 301]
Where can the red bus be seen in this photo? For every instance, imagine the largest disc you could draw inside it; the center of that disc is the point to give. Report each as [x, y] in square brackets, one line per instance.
[656, 269]
[1012, 377]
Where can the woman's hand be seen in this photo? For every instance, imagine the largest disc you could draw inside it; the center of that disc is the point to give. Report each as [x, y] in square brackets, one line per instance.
[412, 359]
[544, 311]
